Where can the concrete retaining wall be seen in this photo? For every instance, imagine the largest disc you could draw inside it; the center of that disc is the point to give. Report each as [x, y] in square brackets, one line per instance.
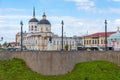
[55, 62]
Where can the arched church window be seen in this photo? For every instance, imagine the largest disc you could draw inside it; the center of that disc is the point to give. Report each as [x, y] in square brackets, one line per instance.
[29, 28]
[46, 29]
[35, 28]
[41, 29]
[32, 28]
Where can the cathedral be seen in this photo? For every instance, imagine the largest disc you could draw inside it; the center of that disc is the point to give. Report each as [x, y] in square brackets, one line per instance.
[40, 37]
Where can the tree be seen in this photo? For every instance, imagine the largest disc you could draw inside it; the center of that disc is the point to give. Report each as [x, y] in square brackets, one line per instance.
[9, 45]
[0, 45]
[80, 44]
[5, 45]
[66, 47]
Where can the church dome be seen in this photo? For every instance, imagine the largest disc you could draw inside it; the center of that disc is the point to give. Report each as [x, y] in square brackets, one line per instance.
[44, 20]
[33, 20]
[115, 36]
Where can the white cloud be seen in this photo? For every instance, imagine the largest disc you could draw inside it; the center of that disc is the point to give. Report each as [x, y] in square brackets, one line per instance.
[14, 17]
[10, 25]
[11, 10]
[110, 10]
[90, 5]
[84, 4]
[116, 22]
[76, 26]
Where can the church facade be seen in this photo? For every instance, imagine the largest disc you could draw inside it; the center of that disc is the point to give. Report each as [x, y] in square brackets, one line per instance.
[114, 40]
[40, 37]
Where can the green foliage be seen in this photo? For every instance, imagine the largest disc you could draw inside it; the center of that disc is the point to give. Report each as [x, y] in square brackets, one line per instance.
[16, 69]
[66, 47]
[9, 45]
[5, 44]
[2, 49]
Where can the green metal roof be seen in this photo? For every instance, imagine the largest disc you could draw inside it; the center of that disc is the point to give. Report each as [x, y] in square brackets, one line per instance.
[115, 35]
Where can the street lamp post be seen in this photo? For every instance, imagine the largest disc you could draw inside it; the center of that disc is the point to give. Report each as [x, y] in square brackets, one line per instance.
[21, 23]
[98, 41]
[106, 35]
[1, 39]
[76, 44]
[62, 35]
[84, 41]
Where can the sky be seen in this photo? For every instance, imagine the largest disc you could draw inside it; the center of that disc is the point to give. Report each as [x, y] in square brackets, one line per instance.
[81, 17]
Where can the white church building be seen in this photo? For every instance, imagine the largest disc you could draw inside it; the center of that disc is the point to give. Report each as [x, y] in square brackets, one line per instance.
[40, 37]
[114, 40]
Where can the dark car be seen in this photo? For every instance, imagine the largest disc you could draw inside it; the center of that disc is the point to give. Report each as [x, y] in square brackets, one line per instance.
[12, 49]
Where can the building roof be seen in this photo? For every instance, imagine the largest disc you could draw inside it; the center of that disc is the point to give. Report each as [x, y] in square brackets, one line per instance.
[44, 21]
[100, 34]
[33, 20]
[115, 35]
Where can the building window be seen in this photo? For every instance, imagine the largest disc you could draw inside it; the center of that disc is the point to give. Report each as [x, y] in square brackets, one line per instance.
[95, 41]
[32, 28]
[70, 42]
[29, 28]
[92, 41]
[41, 29]
[98, 41]
[35, 28]
[54, 42]
[46, 29]
[64, 42]
[57, 42]
[36, 41]
[89, 41]
[101, 41]
[73, 42]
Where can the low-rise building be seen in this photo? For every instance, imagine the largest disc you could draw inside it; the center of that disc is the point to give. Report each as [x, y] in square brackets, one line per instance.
[114, 40]
[96, 39]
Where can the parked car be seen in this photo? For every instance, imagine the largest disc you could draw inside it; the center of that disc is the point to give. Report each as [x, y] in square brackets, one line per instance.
[11, 49]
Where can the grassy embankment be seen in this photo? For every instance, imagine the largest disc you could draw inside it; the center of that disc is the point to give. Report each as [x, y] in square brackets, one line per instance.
[16, 69]
[1, 49]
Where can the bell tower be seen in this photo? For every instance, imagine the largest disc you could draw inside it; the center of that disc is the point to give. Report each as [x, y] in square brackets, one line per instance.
[33, 23]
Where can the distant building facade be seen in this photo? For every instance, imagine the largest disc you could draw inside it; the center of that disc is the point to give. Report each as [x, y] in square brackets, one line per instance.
[114, 40]
[40, 37]
[96, 39]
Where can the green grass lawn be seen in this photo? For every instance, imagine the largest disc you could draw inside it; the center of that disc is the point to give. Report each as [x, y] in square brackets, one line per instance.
[2, 48]
[16, 69]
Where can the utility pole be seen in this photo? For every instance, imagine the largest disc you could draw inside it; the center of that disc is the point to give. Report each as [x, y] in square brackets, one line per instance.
[1, 39]
[106, 35]
[62, 35]
[84, 41]
[21, 23]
